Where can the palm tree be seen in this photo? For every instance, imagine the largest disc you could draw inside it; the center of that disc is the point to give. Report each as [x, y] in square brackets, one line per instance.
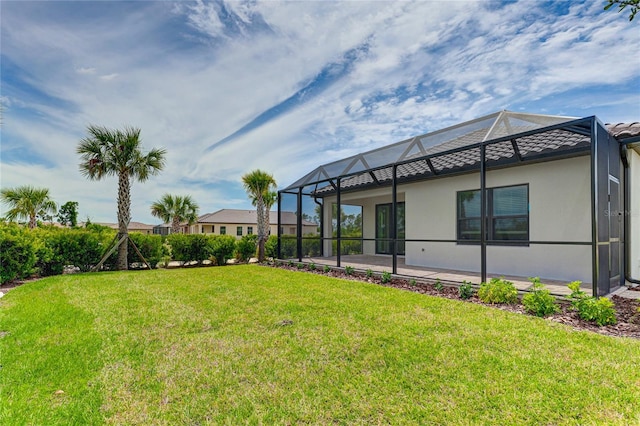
[175, 209]
[259, 185]
[27, 202]
[107, 152]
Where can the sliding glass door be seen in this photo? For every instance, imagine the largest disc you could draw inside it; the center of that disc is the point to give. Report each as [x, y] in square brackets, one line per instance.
[384, 244]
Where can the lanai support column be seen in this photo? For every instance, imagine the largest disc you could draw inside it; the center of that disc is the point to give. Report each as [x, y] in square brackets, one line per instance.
[483, 215]
[394, 215]
[299, 224]
[278, 225]
[339, 223]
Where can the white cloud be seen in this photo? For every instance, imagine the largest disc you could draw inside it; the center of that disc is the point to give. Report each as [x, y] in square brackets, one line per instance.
[189, 78]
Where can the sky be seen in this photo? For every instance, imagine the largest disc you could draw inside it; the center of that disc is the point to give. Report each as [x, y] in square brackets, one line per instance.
[230, 87]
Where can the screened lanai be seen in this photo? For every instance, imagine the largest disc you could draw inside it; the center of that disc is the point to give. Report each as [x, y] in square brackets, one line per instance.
[506, 194]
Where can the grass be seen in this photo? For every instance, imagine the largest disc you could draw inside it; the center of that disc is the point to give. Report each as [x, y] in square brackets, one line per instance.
[255, 345]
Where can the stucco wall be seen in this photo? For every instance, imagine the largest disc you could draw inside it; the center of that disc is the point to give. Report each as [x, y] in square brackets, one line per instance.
[559, 199]
[634, 214]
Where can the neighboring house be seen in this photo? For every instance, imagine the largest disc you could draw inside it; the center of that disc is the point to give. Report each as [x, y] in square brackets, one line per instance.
[162, 229]
[561, 199]
[245, 222]
[139, 227]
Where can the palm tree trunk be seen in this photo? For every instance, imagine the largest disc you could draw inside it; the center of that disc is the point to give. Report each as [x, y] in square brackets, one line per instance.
[261, 228]
[175, 225]
[124, 217]
[32, 221]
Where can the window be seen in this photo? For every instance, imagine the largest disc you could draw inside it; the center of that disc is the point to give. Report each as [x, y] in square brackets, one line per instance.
[249, 230]
[239, 231]
[223, 230]
[507, 214]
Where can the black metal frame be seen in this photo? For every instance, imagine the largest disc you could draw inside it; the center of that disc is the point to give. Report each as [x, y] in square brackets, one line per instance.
[597, 149]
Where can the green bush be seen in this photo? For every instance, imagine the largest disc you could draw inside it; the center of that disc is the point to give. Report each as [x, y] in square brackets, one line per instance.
[18, 253]
[271, 247]
[326, 269]
[149, 245]
[348, 270]
[539, 301]
[58, 248]
[288, 244]
[221, 247]
[386, 277]
[498, 290]
[598, 310]
[369, 273]
[465, 291]
[438, 285]
[246, 247]
[180, 249]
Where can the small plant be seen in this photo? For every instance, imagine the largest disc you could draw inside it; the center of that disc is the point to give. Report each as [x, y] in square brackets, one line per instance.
[312, 267]
[386, 277]
[369, 273]
[498, 290]
[539, 302]
[290, 263]
[348, 270]
[438, 285]
[412, 282]
[465, 291]
[300, 265]
[326, 269]
[598, 310]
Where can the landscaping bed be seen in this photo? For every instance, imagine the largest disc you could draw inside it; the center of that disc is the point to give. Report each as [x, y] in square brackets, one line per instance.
[627, 314]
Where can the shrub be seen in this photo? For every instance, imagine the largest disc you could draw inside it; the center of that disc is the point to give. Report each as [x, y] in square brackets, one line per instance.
[271, 247]
[300, 265]
[180, 249]
[18, 250]
[598, 310]
[246, 247]
[386, 277]
[369, 273]
[326, 269]
[498, 290]
[438, 285]
[221, 247]
[539, 301]
[412, 282]
[61, 247]
[465, 291]
[312, 267]
[150, 247]
[348, 270]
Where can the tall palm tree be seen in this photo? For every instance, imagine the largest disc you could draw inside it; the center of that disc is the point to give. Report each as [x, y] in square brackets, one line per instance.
[175, 209]
[106, 152]
[259, 185]
[27, 202]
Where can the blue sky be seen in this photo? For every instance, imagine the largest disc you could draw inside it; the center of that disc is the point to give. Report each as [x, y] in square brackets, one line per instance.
[228, 87]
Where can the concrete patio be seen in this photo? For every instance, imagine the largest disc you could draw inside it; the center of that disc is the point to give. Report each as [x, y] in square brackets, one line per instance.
[380, 263]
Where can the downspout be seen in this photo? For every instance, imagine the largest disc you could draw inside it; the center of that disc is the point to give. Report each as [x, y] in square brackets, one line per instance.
[627, 215]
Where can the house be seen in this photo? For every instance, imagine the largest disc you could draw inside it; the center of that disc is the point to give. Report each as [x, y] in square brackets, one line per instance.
[510, 194]
[245, 222]
[139, 227]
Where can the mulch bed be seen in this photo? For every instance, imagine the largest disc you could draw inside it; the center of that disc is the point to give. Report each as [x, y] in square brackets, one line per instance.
[628, 317]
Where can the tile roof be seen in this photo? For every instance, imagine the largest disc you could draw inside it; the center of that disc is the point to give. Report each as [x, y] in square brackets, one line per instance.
[624, 130]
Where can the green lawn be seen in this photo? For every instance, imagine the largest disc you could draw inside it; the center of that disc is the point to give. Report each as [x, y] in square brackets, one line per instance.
[256, 345]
